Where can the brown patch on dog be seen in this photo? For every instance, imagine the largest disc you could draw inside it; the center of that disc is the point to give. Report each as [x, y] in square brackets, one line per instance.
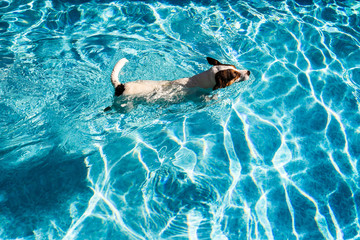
[215, 62]
[119, 90]
[225, 78]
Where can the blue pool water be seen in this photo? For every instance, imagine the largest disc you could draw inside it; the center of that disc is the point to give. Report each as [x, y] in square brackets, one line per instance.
[276, 157]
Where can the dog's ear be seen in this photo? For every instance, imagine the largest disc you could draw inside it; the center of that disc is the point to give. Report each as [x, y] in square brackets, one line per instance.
[225, 78]
[212, 61]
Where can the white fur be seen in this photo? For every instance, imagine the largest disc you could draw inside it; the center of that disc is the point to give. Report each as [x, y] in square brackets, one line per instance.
[115, 73]
[205, 80]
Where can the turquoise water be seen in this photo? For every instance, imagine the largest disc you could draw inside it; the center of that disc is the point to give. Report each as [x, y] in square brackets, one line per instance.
[276, 157]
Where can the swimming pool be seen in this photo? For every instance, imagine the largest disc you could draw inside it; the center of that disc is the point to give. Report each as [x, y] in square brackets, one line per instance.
[275, 157]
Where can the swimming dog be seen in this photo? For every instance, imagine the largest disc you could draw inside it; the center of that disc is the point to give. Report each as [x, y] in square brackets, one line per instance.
[218, 76]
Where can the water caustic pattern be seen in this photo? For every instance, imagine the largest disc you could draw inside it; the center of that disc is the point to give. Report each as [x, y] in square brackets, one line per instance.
[275, 157]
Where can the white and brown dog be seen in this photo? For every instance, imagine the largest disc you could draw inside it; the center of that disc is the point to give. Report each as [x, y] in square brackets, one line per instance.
[218, 76]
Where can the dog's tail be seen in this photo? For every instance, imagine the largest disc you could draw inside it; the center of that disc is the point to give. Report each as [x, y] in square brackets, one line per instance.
[115, 73]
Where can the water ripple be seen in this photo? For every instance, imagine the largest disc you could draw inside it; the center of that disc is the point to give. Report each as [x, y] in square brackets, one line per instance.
[273, 158]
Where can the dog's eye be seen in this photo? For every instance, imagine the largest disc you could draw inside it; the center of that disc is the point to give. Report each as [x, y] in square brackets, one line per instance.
[234, 74]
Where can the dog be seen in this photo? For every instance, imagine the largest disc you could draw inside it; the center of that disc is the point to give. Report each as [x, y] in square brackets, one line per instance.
[218, 76]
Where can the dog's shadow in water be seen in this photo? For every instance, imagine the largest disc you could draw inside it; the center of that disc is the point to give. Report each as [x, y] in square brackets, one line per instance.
[165, 100]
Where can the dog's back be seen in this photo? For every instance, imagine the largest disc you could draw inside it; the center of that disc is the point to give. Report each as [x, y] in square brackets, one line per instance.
[143, 87]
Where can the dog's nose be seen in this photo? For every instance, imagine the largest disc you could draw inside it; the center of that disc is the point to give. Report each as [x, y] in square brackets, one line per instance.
[248, 73]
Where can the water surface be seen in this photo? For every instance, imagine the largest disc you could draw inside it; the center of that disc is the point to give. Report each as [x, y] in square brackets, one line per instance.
[275, 157]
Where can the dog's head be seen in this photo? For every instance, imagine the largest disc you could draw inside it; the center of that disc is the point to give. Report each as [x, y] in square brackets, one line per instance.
[227, 74]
